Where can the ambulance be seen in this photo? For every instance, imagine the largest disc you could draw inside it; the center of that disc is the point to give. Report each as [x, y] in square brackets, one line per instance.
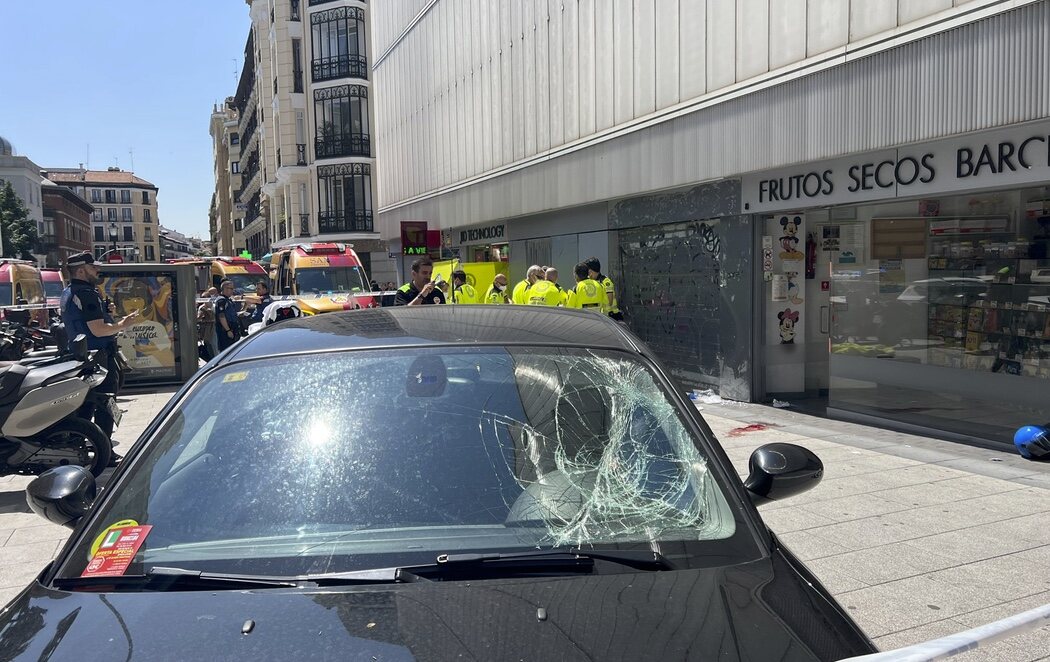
[321, 278]
[211, 271]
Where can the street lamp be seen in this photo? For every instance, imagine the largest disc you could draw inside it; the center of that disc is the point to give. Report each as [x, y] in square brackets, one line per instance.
[113, 235]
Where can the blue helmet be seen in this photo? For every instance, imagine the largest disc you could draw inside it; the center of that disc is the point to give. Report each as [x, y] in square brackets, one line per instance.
[1033, 442]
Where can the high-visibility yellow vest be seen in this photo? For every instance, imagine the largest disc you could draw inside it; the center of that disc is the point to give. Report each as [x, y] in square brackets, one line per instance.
[465, 294]
[589, 294]
[494, 295]
[518, 295]
[543, 293]
[613, 307]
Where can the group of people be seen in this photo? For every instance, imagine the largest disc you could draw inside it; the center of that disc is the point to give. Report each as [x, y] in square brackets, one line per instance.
[224, 317]
[592, 290]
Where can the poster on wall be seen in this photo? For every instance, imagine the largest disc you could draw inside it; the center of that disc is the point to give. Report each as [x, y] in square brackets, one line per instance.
[149, 344]
[891, 277]
[850, 243]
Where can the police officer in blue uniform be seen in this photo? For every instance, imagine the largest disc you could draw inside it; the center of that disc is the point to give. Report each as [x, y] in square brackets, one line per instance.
[84, 312]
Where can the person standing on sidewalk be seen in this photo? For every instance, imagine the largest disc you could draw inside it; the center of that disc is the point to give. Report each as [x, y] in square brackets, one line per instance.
[594, 272]
[518, 296]
[497, 292]
[227, 322]
[84, 312]
[420, 290]
[206, 324]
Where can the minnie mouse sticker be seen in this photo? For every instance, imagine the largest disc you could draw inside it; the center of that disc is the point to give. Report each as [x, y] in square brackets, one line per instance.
[790, 226]
[788, 319]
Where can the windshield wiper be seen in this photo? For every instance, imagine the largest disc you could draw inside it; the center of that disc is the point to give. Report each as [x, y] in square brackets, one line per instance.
[638, 559]
[170, 579]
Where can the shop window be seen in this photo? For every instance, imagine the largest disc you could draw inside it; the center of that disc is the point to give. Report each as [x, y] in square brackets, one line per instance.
[893, 238]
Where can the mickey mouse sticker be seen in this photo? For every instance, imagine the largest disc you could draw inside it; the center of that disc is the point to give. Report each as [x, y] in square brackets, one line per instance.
[788, 319]
[790, 226]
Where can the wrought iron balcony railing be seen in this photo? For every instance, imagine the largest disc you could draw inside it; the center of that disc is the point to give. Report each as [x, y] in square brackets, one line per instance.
[295, 10]
[345, 221]
[353, 144]
[304, 225]
[300, 154]
[340, 66]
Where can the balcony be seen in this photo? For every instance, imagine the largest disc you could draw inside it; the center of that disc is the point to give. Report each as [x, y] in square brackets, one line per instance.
[297, 79]
[340, 66]
[314, 3]
[353, 144]
[300, 154]
[304, 225]
[344, 221]
[295, 10]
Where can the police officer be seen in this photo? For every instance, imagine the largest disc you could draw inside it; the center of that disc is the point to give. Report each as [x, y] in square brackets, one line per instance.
[227, 321]
[84, 312]
[594, 272]
[420, 290]
[589, 293]
[263, 299]
[463, 292]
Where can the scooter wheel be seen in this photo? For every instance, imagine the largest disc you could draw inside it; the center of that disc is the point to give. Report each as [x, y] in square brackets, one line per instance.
[83, 438]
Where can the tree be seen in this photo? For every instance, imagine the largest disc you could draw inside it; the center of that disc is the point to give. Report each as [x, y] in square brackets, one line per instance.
[17, 230]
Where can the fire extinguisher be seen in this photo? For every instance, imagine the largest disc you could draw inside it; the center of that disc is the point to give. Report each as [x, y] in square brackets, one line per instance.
[811, 256]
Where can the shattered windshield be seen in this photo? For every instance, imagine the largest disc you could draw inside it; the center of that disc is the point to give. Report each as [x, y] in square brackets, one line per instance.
[379, 458]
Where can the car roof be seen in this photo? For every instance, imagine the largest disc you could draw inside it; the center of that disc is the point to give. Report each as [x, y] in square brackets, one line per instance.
[405, 326]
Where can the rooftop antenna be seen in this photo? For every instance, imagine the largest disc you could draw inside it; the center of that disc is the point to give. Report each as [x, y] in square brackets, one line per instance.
[116, 162]
[236, 77]
[131, 153]
[88, 159]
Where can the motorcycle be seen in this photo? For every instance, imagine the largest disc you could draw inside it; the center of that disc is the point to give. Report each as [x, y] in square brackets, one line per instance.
[39, 425]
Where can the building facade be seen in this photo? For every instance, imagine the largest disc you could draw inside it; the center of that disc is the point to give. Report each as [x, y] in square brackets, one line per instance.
[841, 203]
[305, 117]
[26, 181]
[174, 245]
[125, 218]
[67, 224]
[226, 216]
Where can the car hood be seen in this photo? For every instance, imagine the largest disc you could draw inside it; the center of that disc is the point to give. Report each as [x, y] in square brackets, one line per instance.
[315, 305]
[747, 612]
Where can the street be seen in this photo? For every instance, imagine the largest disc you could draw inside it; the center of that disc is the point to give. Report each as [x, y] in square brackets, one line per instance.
[917, 538]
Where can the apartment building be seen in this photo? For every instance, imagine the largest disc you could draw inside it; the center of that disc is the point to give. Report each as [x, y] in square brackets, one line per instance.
[305, 117]
[226, 215]
[125, 219]
[26, 181]
[792, 197]
[67, 224]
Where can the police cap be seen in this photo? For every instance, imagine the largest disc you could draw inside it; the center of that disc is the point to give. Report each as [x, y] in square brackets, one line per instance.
[78, 259]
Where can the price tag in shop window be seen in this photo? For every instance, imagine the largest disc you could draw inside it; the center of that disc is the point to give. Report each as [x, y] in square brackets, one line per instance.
[993, 304]
[1009, 305]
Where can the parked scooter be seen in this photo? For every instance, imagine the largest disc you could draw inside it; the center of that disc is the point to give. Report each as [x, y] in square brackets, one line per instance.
[39, 425]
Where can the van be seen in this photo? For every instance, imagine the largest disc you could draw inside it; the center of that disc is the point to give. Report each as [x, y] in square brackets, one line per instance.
[321, 277]
[20, 284]
[211, 271]
[54, 284]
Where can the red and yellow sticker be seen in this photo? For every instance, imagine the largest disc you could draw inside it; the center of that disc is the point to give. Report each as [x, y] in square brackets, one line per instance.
[115, 548]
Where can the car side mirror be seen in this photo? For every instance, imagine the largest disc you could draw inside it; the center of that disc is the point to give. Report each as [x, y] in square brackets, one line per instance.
[80, 348]
[777, 471]
[62, 495]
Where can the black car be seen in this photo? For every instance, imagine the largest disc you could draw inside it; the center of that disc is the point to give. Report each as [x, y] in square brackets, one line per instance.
[428, 483]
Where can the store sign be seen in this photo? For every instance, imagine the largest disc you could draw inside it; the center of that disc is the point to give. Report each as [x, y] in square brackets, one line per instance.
[490, 234]
[414, 237]
[1016, 156]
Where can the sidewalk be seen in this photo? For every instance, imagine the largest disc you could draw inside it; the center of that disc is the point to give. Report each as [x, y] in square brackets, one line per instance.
[917, 538]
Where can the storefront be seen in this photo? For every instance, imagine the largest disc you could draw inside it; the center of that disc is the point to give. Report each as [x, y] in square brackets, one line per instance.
[483, 243]
[911, 285]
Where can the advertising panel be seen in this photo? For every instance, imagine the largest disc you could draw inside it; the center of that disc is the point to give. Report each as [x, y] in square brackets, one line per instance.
[149, 344]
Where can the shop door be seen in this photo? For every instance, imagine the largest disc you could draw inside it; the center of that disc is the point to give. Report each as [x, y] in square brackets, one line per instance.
[819, 309]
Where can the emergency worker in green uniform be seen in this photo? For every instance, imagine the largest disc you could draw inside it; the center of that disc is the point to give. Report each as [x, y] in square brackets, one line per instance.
[588, 294]
[594, 272]
[462, 292]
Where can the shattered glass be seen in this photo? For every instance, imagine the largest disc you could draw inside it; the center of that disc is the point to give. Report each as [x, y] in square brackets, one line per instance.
[365, 457]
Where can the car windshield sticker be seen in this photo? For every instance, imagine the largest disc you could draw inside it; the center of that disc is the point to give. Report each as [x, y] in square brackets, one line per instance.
[235, 377]
[116, 552]
[98, 539]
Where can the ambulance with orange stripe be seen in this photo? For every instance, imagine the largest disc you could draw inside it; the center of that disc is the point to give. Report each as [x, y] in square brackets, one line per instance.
[321, 278]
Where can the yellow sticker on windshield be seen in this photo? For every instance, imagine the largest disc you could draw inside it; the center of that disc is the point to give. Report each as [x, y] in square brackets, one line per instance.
[235, 377]
[98, 541]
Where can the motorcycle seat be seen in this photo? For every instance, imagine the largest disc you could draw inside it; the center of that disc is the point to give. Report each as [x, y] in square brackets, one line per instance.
[11, 376]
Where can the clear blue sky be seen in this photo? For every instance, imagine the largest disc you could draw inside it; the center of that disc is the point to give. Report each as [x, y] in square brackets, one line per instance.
[123, 75]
